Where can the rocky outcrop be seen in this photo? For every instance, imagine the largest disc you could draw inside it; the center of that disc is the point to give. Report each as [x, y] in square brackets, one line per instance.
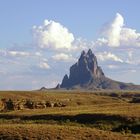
[10, 104]
[86, 74]
[83, 71]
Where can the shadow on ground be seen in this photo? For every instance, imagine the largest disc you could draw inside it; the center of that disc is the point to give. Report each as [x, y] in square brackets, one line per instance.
[116, 122]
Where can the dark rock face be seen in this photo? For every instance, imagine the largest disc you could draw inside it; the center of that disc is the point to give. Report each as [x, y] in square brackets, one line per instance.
[65, 82]
[87, 74]
[83, 71]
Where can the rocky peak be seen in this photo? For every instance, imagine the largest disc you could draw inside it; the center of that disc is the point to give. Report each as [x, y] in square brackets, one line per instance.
[83, 53]
[84, 71]
[86, 74]
[89, 61]
[91, 56]
[89, 52]
[65, 81]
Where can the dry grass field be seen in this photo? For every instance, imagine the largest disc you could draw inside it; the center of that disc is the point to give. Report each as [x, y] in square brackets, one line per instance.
[102, 115]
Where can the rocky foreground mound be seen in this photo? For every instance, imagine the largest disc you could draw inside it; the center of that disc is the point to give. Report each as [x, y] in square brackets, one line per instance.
[86, 74]
[10, 104]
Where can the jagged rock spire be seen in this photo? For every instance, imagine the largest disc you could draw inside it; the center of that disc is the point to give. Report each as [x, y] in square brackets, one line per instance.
[84, 71]
[65, 81]
[86, 74]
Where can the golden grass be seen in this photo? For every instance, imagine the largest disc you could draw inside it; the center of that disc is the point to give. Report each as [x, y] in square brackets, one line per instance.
[78, 103]
[54, 132]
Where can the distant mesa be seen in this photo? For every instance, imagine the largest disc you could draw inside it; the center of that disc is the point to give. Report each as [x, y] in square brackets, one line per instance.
[86, 74]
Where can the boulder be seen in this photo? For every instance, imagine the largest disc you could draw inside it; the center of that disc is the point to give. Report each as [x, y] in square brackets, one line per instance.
[49, 104]
[30, 104]
[40, 105]
[59, 104]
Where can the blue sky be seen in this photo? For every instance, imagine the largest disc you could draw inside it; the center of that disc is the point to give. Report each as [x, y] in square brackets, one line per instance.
[82, 17]
[31, 57]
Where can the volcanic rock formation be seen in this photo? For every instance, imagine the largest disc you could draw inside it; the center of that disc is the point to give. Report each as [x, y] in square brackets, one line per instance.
[86, 74]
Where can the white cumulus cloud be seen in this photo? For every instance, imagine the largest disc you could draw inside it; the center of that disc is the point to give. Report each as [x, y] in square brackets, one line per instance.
[129, 37]
[115, 34]
[53, 35]
[114, 31]
[108, 56]
[63, 57]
